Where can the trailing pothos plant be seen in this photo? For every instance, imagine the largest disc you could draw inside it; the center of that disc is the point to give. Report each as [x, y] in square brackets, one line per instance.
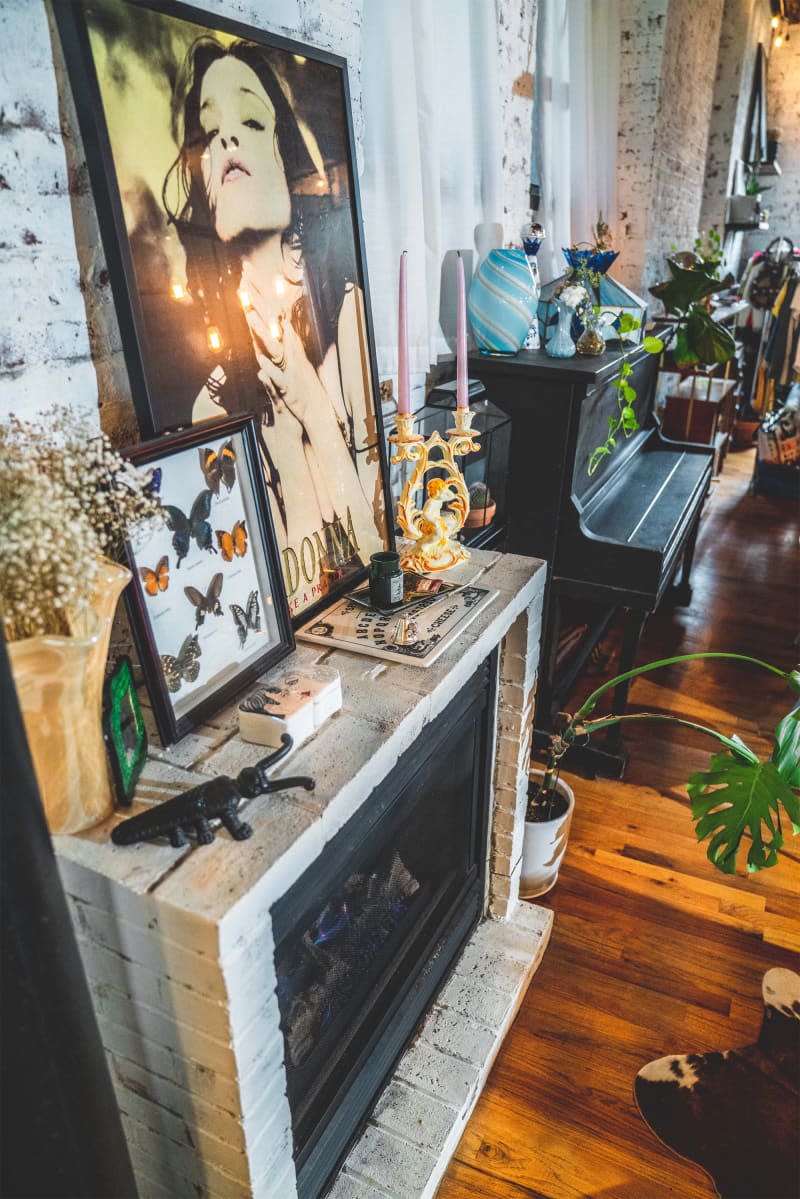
[624, 421]
[738, 795]
[695, 338]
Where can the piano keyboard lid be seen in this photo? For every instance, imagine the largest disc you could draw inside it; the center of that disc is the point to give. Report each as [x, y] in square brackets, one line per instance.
[644, 505]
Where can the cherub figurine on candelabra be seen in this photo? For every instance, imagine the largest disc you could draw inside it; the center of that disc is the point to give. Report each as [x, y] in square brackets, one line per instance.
[434, 527]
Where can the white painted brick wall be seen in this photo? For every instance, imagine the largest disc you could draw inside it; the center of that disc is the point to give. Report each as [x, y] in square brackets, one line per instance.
[746, 24]
[666, 88]
[516, 22]
[783, 108]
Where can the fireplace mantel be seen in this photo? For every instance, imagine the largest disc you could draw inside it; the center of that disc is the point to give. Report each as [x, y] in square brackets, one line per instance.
[178, 944]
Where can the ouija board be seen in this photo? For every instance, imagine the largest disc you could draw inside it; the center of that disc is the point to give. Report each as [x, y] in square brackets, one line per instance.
[436, 623]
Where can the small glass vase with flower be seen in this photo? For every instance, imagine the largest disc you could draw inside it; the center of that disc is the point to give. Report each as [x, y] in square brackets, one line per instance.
[67, 500]
[567, 299]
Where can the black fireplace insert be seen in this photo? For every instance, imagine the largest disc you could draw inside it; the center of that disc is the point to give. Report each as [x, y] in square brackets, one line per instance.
[366, 937]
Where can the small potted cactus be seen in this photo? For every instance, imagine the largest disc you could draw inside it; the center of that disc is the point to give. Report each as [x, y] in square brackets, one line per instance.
[481, 507]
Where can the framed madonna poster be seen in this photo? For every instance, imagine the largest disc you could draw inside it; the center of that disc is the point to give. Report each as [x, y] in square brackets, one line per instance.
[221, 160]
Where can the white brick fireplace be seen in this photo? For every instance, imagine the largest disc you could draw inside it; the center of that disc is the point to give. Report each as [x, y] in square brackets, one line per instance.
[178, 943]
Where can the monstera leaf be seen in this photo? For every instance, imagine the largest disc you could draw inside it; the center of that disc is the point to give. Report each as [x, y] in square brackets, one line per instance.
[737, 796]
[786, 754]
[709, 341]
[685, 288]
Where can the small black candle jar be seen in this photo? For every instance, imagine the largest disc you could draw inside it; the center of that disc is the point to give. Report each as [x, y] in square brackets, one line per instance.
[385, 579]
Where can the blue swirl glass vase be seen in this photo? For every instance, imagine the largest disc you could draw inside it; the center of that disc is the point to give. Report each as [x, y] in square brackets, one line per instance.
[502, 302]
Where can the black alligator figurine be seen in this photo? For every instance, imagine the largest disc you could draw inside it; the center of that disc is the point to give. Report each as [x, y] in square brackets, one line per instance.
[219, 799]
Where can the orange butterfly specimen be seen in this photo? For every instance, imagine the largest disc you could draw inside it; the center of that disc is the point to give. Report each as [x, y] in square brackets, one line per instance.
[234, 542]
[158, 579]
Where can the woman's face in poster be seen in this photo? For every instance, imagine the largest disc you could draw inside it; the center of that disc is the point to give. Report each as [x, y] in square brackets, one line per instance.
[242, 168]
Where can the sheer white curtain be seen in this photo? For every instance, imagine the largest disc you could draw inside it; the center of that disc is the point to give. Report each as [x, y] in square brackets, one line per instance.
[575, 118]
[432, 160]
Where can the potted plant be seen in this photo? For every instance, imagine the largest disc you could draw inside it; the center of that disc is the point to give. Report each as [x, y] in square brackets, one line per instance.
[481, 507]
[739, 793]
[67, 501]
[693, 335]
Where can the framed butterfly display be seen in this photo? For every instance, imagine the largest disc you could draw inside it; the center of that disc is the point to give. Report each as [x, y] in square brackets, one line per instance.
[208, 606]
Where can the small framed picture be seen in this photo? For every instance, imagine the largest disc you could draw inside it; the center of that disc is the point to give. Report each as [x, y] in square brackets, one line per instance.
[207, 602]
[124, 730]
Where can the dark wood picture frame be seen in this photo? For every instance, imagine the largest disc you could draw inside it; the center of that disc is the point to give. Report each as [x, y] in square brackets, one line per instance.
[201, 335]
[225, 610]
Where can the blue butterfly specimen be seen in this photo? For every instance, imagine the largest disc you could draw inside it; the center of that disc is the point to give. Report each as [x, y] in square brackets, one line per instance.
[247, 619]
[208, 603]
[153, 485]
[195, 525]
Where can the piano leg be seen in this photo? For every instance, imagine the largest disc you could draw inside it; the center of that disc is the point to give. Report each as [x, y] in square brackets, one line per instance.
[612, 743]
[608, 757]
[681, 594]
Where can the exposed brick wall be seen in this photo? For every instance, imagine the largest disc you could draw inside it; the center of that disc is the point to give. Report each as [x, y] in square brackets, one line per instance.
[666, 92]
[517, 55]
[783, 109]
[642, 33]
[746, 24]
[44, 345]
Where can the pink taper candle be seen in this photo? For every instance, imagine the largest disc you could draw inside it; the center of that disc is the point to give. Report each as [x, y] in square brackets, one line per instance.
[403, 393]
[462, 388]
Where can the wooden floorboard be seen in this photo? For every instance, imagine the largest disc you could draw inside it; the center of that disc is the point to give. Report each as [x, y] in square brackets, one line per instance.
[653, 950]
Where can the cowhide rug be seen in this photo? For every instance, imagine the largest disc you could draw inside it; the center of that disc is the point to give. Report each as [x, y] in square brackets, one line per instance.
[736, 1113]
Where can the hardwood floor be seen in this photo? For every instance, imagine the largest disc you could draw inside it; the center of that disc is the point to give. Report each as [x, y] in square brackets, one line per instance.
[653, 950]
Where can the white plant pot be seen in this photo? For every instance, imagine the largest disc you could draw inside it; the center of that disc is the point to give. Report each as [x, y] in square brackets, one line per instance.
[544, 845]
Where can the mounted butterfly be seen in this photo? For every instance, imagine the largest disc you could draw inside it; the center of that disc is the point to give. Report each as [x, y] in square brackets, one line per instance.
[185, 667]
[233, 544]
[247, 620]
[155, 580]
[213, 501]
[194, 526]
[219, 466]
[207, 604]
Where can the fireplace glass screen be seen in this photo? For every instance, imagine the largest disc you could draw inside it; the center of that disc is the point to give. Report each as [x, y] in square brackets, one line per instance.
[323, 972]
[402, 881]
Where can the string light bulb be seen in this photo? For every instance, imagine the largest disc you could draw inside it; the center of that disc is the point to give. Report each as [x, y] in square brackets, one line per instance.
[775, 22]
[214, 338]
[244, 298]
[778, 41]
[178, 290]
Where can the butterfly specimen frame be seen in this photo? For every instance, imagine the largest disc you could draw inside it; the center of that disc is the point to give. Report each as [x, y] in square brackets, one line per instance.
[207, 605]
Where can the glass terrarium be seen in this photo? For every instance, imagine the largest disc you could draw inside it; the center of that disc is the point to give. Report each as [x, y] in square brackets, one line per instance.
[485, 471]
[589, 268]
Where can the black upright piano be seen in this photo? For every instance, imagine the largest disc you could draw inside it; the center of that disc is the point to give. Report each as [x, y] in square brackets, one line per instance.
[613, 540]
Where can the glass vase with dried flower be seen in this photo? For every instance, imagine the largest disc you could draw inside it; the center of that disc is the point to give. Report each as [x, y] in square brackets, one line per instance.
[66, 500]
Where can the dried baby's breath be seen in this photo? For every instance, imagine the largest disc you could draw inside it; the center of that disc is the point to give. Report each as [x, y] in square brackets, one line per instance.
[66, 498]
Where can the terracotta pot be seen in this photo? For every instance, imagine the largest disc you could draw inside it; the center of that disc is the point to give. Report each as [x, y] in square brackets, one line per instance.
[479, 518]
[544, 844]
[744, 433]
[59, 684]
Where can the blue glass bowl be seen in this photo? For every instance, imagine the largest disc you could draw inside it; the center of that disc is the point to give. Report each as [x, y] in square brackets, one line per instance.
[592, 260]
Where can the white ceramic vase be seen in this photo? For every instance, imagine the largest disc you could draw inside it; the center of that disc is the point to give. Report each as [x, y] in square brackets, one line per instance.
[544, 845]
